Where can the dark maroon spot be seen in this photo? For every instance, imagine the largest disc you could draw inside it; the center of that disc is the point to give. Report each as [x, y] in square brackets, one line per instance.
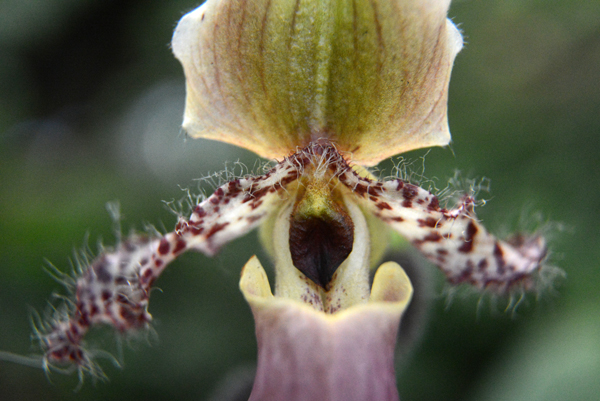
[234, 192]
[216, 228]
[158, 263]
[374, 191]
[122, 299]
[255, 205]
[102, 273]
[127, 315]
[180, 246]
[252, 219]
[407, 204]
[400, 185]
[76, 355]
[94, 310]
[434, 204]
[499, 254]
[214, 200]
[442, 251]
[501, 269]
[84, 318]
[70, 336]
[470, 233]
[196, 230]
[147, 273]
[465, 275]
[409, 192]
[396, 219]
[384, 205]
[260, 193]
[200, 212]
[59, 354]
[219, 192]
[163, 247]
[144, 262]
[518, 277]
[360, 189]
[431, 237]
[420, 201]
[292, 177]
[493, 283]
[74, 330]
[373, 199]
[428, 222]
[106, 295]
[121, 280]
[182, 226]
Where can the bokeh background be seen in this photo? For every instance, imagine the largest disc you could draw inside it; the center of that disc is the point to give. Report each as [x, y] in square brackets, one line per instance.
[90, 105]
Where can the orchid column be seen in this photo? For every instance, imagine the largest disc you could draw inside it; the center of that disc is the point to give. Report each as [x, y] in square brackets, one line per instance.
[326, 88]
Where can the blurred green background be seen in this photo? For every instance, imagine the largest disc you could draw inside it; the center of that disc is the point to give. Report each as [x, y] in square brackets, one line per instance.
[90, 105]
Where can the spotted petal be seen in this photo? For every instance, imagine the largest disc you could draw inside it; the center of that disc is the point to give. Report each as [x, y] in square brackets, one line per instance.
[115, 288]
[452, 239]
[272, 75]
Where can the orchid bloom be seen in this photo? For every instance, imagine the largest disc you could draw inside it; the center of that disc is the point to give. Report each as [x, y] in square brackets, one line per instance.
[326, 88]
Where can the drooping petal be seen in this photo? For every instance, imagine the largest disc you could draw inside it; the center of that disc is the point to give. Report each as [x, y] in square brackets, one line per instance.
[304, 354]
[115, 288]
[271, 75]
[452, 239]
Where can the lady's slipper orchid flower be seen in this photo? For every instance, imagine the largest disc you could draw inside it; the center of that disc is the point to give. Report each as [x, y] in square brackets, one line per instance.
[324, 87]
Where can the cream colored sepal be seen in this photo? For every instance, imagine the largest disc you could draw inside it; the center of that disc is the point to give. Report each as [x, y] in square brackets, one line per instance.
[304, 354]
[272, 75]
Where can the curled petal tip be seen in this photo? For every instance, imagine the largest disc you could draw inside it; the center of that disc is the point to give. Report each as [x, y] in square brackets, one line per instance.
[254, 283]
[391, 285]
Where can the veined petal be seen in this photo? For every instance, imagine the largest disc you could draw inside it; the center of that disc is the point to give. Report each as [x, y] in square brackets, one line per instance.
[304, 354]
[271, 75]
